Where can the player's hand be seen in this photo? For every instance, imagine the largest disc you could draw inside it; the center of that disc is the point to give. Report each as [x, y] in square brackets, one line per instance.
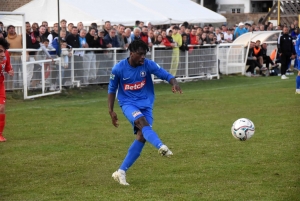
[11, 72]
[114, 119]
[176, 88]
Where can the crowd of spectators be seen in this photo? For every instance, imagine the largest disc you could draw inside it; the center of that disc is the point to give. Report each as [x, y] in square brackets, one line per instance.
[68, 35]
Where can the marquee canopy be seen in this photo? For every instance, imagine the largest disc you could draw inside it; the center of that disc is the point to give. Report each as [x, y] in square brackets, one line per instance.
[118, 12]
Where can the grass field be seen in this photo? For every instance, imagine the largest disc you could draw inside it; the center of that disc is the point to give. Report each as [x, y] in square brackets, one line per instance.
[64, 147]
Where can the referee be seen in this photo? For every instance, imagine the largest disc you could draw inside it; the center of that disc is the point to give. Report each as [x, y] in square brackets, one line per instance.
[286, 51]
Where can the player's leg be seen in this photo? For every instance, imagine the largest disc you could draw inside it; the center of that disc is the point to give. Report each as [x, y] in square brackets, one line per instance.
[144, 123]
[2, 111]
[298, 78]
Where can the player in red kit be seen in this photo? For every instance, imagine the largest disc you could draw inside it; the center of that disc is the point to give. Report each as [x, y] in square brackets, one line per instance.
[5, 66]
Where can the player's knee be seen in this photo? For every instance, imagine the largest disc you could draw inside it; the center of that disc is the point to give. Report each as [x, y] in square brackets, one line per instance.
[140, 137]
[141, 122]
[2, 108]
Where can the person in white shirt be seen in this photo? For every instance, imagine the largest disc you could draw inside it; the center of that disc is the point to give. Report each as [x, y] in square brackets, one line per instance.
[228, 37]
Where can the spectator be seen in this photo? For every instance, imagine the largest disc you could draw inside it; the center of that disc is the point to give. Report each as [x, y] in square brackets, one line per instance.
[188, 32]
[177, 40]
[31, 43]
[89, 58]
[218, 34]
[193, 40]
[79, 26]
[73, 41]
[204, 39]
[144, 36]
[149, 26]
[158, 40]
[45, 24]
[240, 30]
[120, 36]
[136, 34]
[53, 34]
[228, 37]
[165, 40]
[258, 53]
[15, 42]
[182, 29]
[286, 51]
[95, 26]
[224, 29]
[184, 47]
[111, 39]
[266, 58]
[4, 33]
[212, 39]
[35, 27]
[262, 28]
[70, 26]
[251, 61]
[151, 36]
[65, 55]
[141, 25]
[127, 35]
[63, 26]
[107, 27]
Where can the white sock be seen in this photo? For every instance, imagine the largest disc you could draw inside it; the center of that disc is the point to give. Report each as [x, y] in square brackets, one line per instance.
[121, 171]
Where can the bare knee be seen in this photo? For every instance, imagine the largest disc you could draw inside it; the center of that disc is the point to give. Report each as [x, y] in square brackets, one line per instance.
[140, 137]
[141, 122]
[2, 108]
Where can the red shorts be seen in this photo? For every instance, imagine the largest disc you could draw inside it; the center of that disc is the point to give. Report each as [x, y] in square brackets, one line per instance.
[2, 93]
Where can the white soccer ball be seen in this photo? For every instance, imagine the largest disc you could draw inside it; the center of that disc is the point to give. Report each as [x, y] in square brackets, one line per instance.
[243, 129]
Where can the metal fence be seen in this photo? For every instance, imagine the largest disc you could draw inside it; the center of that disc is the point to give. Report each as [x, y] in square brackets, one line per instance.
[93, 66]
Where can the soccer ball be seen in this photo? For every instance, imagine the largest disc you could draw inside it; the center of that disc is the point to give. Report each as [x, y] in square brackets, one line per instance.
[242, 129]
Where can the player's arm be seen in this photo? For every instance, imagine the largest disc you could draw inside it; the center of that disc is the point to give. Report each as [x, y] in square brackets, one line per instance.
[113, 115]
[297, 46]
[175, 86]
[8, 67]
[112, 89]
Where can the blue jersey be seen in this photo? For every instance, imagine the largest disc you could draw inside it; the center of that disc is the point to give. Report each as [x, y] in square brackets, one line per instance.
[135, 85]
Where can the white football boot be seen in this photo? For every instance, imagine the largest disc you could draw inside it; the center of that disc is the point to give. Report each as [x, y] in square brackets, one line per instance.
[165, 151]
[120, 176]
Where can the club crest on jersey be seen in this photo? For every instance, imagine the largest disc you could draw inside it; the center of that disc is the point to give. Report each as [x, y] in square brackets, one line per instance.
[143, 74]
[112, 76]
[136, 113]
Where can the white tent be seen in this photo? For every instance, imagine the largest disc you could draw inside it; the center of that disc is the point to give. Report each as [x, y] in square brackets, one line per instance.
[117, 11]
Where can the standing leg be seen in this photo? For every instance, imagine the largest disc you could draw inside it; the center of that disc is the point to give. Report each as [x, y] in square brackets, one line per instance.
[2, 111]
[298, 77]
[285, 59]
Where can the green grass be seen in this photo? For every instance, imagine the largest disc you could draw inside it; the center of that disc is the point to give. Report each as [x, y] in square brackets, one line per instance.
[64, 147]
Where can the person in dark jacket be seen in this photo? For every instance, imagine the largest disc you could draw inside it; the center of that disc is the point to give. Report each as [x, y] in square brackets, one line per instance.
[286, 51]
[31, 43]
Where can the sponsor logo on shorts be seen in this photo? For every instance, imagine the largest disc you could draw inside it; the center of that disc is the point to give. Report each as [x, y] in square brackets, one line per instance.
[136, 113]
[135, 86]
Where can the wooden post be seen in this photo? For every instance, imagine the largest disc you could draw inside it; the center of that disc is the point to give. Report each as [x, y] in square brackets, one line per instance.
[269, 17]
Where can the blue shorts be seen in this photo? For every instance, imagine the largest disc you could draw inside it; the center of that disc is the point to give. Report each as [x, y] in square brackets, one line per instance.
[297, 66]
[132, 113]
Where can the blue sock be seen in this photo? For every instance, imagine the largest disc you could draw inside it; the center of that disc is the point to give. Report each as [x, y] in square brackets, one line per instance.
[134, 152]
[151, 136]
[298, 82]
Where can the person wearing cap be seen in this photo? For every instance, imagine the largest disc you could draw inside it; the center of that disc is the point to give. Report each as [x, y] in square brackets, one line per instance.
[15, 42]
[240, 30]
[177, 40]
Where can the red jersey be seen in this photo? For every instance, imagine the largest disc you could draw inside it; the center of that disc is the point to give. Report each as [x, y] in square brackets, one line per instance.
[5, 66]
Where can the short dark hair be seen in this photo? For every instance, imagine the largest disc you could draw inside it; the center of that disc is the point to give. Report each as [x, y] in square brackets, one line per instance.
[4, 43]
[46, 40]
[137, 44]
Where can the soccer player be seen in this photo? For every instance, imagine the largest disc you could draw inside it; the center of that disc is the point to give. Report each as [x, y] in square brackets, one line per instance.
[297, 48]
[132, 78]
[5, 66]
